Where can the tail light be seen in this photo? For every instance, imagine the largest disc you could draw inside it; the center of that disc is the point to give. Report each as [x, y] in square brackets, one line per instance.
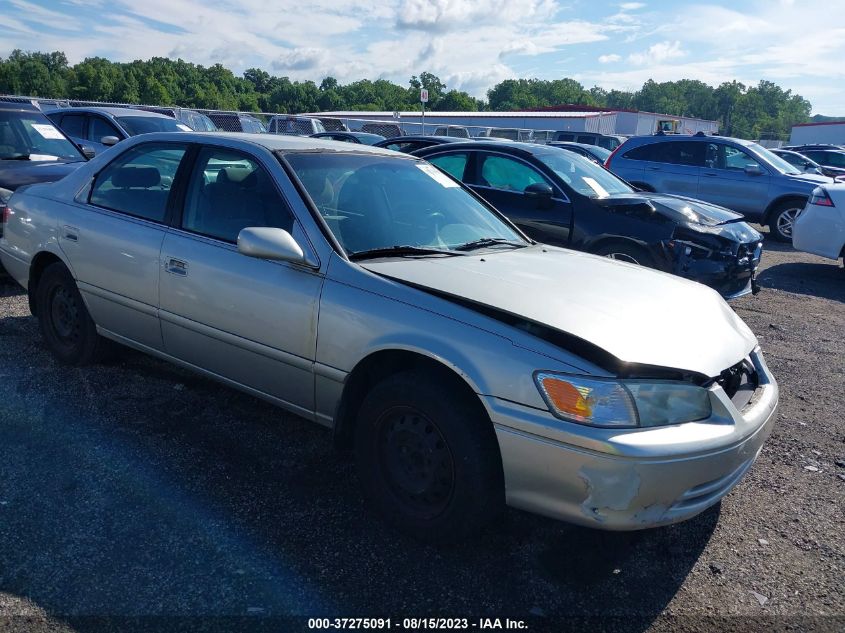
[612, 154]
[821, 198]
[5, 214]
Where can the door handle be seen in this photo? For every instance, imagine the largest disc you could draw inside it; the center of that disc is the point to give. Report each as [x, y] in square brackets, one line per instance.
[176, 267]
[70, 233]
[652, 168]
[710, 174]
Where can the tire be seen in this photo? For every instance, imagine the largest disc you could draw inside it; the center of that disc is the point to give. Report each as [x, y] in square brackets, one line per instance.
[624, 251]
[427, 458]
[782, 218]
[65, 324]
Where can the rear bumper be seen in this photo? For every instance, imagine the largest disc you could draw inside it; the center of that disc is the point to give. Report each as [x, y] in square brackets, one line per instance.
[636, 478]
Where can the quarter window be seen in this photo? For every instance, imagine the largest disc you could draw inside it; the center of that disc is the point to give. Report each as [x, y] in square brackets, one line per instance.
[138, 183]
[453, 164]
[505, 173]
[228, 192]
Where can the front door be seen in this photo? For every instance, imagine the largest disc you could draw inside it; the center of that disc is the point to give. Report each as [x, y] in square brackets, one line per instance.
[726, 180]
[249, 320]
[502, 180]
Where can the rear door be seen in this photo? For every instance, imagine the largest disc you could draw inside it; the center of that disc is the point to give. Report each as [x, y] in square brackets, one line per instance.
[726, 181]
[250, 320]
[113, 242]
[502, 179]
[674, 166]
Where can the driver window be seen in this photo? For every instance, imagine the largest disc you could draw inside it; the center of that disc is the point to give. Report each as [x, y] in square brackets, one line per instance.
[229, 191]
[500, 172]
[738, 160]
[98, 128]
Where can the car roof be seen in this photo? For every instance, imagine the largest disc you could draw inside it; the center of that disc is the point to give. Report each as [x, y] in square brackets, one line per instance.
[424, 137]
[585, 146]
[513, 147]
[21, 106]
[112, 111]
[272, 142]
[704, 138]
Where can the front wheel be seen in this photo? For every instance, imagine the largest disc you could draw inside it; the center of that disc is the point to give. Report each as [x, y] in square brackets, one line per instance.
[64, 321]
[630, 253]
[783, 219]
[427, 458]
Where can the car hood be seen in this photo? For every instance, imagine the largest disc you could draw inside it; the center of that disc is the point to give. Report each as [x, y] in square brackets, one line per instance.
[692, 210]
[17, 173]
[816, 179]
[636, 314]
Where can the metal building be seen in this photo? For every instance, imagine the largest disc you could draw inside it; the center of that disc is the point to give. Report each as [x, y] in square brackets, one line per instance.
[824, 132]
[560, 118]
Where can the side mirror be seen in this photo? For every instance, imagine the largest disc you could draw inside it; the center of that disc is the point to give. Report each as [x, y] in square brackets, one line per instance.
[754, 170]
[109, 140]
[539, 191]
[264, 242]
[87, 151]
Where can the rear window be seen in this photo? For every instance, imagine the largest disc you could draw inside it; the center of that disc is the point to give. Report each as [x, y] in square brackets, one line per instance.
[673, 152]
[146, 124]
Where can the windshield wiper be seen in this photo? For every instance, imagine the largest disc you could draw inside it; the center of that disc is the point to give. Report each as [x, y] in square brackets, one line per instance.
[488, 241]
[399, 251]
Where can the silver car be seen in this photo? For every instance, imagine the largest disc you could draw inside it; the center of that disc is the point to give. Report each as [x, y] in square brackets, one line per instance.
[467, 366]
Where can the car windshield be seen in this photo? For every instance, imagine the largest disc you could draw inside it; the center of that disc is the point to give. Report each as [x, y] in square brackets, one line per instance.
[145, 124]
[582, 174]
[373, 202]
[773, 159]
[32, 136]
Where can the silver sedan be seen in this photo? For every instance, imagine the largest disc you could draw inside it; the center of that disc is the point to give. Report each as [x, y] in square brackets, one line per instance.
[466, 365]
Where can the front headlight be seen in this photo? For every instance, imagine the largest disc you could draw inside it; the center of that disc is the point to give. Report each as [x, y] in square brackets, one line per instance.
[622, 403]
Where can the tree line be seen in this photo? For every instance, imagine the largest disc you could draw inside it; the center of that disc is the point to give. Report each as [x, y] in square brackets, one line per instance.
[754, 112]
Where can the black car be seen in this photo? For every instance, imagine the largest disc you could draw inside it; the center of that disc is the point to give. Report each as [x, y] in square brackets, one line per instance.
[805, 164]
[593, 152]
[362, 138]
[831, 157]
[32, 150]
[563, 199]
[408, 144]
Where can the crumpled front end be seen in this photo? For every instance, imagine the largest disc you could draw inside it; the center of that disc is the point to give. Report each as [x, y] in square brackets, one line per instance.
[627, 479]
[727, 266]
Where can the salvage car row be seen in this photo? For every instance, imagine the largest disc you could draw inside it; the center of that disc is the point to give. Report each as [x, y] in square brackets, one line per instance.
[432, 312]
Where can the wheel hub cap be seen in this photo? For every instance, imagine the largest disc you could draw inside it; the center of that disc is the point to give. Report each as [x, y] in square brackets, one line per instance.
[786, 220]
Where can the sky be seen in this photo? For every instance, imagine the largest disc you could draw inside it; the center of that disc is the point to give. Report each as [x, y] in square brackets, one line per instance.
[470, 44]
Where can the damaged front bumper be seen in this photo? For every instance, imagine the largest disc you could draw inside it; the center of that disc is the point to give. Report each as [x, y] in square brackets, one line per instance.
[731, 272]
[629, 479]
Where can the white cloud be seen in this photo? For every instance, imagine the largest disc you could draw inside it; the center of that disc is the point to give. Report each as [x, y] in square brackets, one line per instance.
[444, 15]
[632, 6]
[657, 53]
[609, 59]
[302, 59]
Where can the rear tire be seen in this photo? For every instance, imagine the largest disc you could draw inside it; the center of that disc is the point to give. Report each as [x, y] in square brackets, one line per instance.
[626, 252]
[67, 328]
[782, 219]
[427, 458]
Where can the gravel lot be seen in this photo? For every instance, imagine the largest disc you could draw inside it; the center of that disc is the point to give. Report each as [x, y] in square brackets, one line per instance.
[136, 496]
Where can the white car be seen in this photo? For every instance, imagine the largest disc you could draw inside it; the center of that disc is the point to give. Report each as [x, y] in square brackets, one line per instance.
[820, 228]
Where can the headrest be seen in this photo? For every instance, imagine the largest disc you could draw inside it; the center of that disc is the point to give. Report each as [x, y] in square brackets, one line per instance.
[233, 174]
[136, 177]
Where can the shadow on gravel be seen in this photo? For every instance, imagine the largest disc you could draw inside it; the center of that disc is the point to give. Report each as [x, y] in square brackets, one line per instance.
[822, 280]
[135, 489]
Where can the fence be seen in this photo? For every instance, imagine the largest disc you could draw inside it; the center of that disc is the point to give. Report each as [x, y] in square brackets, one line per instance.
[275, 123]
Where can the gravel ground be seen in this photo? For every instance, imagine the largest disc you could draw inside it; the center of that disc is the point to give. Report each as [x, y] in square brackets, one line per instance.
[136, 496]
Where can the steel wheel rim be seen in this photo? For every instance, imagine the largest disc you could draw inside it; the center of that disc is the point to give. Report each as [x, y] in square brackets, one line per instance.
[786, 220]
[416, 461]
[64, 315]
[622, 257]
